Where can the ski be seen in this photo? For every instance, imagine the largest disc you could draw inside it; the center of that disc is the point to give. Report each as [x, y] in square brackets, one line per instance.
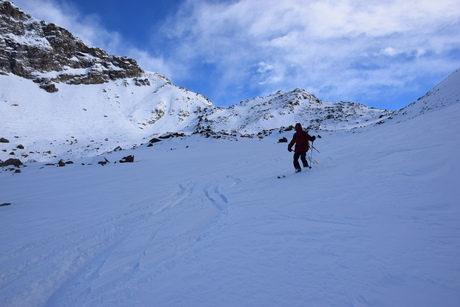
[295, 172]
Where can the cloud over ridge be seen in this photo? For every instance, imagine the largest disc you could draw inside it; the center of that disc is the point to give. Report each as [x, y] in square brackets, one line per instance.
[372, 52]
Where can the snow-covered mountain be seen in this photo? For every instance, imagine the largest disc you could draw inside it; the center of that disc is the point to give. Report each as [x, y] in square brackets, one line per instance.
[61, 98]
[64, 97]
[282, 109]
[444, 94]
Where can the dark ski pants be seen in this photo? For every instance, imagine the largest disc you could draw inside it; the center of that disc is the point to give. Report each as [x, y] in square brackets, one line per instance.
[302, 155]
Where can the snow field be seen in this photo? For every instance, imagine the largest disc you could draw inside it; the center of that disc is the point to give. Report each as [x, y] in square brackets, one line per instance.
[374, 224]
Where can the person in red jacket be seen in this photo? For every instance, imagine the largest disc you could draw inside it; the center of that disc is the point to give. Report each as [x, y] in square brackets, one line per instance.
[300, 139]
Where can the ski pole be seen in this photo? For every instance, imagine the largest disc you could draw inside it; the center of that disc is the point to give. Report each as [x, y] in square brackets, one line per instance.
[314, 147]
[311, 154]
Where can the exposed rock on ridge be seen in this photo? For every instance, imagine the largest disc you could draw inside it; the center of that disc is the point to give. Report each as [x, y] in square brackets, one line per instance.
[50, 54]
[277, 110]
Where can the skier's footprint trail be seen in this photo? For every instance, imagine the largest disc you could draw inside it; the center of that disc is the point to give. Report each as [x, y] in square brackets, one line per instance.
[145, 244]
[183, 194]
[128, 243]
[214, 193]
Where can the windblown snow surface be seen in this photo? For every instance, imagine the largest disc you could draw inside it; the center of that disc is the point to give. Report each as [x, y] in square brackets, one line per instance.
[206, 222]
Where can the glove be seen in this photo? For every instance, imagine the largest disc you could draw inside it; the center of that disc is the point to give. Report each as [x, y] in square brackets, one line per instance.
[289, 148]
[313, 138]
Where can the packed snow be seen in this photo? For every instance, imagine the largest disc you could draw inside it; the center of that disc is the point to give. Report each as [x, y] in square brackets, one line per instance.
[206, 222]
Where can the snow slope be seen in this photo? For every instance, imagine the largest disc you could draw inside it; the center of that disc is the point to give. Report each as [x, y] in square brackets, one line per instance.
[206, 222]
[87, 120]
[444, 94]
[84, 120]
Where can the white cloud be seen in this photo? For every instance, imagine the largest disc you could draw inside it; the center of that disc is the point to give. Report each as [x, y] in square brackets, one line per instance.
[347, 47]
[149, 63]
[390, 51]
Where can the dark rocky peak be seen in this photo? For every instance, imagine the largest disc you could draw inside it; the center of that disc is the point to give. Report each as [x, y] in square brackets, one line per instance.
[49, 54]
[9, 10]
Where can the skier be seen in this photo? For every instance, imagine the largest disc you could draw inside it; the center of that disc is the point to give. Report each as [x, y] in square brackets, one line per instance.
[300, 139]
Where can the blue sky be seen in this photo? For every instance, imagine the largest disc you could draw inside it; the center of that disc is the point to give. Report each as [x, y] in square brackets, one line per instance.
[380, 53]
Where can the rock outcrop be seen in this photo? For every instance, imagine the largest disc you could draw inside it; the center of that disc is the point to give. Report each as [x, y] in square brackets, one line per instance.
[49, 54]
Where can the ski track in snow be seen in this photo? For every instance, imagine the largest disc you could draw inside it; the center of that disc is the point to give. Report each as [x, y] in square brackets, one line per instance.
[153, 256]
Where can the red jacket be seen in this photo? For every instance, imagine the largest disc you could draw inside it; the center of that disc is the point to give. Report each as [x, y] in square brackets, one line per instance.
[300, 139]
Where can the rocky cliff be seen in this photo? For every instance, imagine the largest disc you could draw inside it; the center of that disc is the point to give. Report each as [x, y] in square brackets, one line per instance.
[49, 54]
